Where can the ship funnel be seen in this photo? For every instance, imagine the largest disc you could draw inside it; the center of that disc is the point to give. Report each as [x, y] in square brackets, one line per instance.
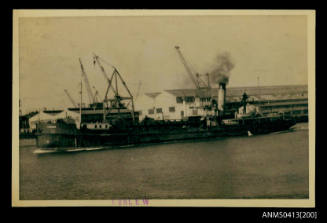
[221, 97]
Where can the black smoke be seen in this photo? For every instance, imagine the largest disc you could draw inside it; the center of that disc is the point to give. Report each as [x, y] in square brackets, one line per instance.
[222, 68]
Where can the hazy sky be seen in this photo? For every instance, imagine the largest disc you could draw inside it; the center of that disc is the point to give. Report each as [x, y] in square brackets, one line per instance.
[142, 48]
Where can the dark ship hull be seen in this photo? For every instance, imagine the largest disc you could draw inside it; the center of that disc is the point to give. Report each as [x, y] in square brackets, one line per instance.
[61, 136]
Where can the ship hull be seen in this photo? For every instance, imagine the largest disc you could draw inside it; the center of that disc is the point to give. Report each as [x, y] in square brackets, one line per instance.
[49, 141]
[55, 140]
[62, 139]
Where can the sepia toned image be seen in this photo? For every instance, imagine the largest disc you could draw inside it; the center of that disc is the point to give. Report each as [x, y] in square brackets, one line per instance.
[163, 108]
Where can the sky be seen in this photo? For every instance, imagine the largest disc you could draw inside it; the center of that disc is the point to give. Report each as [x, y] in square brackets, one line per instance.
[272, 48]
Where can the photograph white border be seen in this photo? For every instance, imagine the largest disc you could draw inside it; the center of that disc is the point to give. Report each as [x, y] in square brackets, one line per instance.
[16, 202]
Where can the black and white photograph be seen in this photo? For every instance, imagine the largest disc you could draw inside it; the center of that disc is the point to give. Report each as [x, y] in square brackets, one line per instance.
[163, 108]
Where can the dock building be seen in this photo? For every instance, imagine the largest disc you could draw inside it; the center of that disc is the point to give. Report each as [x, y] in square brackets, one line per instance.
[178, 104]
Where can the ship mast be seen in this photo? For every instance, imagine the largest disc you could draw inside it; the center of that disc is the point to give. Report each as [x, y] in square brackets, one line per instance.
[80, 105]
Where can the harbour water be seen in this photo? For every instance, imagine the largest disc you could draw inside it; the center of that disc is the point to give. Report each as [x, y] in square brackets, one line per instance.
[264, 166]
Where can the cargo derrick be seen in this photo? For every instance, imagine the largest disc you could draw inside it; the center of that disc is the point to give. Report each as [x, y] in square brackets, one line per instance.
[116, 101]
[87, 84]
[70, 98]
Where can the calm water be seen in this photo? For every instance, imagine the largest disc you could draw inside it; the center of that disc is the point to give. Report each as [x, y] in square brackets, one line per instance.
[265, 166]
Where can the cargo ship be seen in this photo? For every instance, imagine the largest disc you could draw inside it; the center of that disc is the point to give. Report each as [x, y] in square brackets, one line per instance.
[63, 134]
[114, 122]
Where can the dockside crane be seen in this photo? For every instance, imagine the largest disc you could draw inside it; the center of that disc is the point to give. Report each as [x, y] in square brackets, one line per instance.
[70, 98]
[87, 84]
[203, 89]
[189, 72]
[196, 79]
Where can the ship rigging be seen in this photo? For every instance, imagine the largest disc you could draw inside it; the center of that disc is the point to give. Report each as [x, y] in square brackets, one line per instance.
[116, 102]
